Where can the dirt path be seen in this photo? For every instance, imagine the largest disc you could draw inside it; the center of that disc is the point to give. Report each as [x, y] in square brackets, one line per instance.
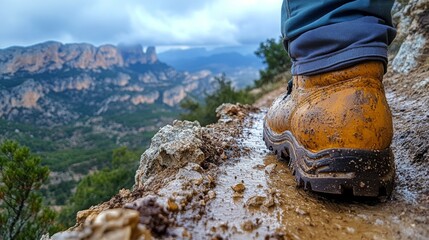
[272, 206]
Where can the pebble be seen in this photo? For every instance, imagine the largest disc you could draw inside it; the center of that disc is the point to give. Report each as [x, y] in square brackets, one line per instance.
[300, 211]
[379, 222]
[255, 201]
[350, 230]
[270, 168]
[239, 188]
[248, 226]
[172, 205]
[211, 194]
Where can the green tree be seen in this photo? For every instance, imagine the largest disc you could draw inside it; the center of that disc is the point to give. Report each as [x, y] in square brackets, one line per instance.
[224, 92]
[102, 185]
[275, 57]
[22, 213]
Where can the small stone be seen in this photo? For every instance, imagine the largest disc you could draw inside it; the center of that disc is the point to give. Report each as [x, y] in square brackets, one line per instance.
[172, 205]
[259, 166]
[224, 226]
[379, 222]
[255, 201]
[350, 230]
[211, 194]
[300, 211]
[239, 188]
[270, 168]
[248, 226]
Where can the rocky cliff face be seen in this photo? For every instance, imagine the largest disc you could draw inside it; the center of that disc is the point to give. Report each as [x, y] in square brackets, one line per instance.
[413, 33]
[54, 83]
[51, 56]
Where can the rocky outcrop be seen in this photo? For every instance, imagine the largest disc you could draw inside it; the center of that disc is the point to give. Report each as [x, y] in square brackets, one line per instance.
[413, 29]
[173, 146]
[51, 56]
[176, 177]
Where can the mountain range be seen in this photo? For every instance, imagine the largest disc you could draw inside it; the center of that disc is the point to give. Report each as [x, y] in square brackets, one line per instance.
[53, 83]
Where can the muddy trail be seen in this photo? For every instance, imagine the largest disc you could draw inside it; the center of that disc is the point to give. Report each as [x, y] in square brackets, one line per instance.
[272, 206]
[257, 196]
[220, 182]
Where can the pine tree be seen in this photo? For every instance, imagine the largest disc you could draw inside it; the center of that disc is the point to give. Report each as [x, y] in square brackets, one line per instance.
[22, 213]
[275, 57]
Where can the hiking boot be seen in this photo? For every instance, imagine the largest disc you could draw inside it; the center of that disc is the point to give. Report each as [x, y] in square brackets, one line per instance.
[336, 129]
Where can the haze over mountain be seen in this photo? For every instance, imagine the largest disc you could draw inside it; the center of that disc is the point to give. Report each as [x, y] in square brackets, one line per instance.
[240, 64]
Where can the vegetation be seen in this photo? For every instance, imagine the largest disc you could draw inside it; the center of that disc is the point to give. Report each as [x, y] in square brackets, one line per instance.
[102, 185]
[275, 57]
[81, 147]
[224, 93]
[22, 212]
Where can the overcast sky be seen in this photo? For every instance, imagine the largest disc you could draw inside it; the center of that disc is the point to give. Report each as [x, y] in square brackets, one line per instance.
[149, 22]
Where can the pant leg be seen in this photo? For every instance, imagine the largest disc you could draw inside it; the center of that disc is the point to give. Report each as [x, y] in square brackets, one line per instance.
[326, 35]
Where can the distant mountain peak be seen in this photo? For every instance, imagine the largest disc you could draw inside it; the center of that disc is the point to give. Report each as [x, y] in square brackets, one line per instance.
[55, 55]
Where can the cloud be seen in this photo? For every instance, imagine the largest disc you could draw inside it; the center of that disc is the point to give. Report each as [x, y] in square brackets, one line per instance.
[160, 23]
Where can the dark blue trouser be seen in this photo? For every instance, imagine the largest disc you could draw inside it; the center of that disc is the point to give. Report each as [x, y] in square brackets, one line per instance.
[326, 35]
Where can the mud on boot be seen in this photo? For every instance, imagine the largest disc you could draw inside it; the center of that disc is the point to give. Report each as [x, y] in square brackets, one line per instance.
[336, 129]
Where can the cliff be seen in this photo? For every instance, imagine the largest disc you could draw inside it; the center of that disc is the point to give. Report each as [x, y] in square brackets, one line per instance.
[50, 56]
[53, 83]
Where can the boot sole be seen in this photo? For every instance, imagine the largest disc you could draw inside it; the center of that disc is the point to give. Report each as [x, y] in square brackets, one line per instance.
[366, 173]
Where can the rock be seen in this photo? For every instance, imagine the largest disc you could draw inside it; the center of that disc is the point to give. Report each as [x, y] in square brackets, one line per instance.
[54, 55]
[300, 211]
[111, 224]
[413, 28]
[270, 168]
[190, 176]
[211, 194]
[350, 230]
[174, 95]
[239, 188]
[172, 205]
[227, 111]
[255, 201]
[132, 54]
[259, 166]
[151, 54]
[173, 146]
[152, 214]
[250, 225]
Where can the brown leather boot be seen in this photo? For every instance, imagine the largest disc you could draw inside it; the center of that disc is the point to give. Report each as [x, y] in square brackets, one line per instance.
[336, 128]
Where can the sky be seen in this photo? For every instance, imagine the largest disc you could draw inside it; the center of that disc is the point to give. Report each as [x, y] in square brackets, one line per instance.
[161, 23]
